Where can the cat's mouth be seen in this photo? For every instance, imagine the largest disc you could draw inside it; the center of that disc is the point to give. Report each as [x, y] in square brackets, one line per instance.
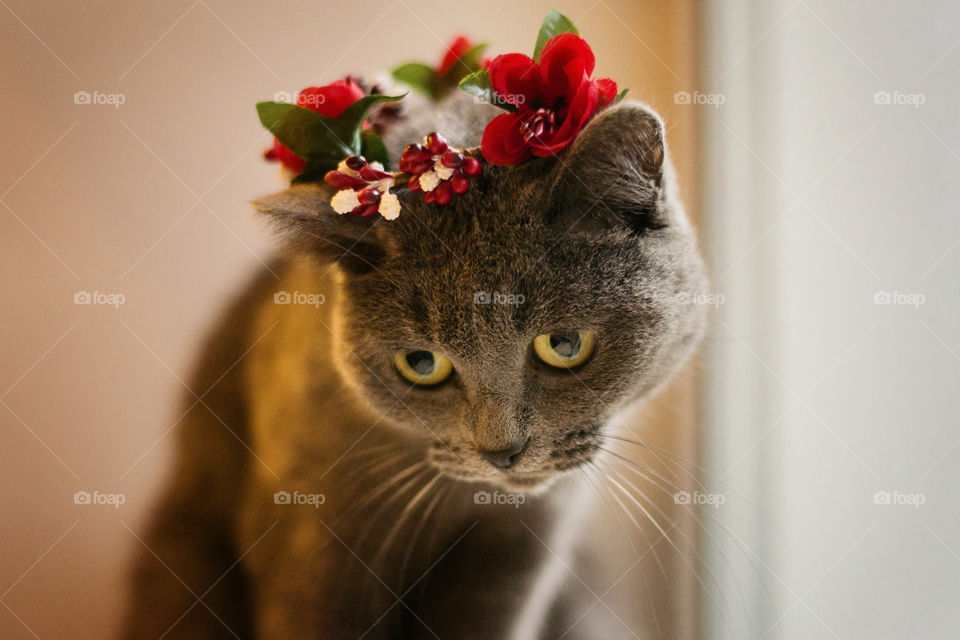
[513, 482]
[528, 482]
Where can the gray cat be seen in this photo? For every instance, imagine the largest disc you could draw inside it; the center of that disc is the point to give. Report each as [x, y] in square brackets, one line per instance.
[399, 461]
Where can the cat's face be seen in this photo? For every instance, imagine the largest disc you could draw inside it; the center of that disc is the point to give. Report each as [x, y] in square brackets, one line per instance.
[508, 326]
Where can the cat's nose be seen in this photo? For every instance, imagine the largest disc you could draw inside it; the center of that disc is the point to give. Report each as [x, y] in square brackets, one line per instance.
[504, 458]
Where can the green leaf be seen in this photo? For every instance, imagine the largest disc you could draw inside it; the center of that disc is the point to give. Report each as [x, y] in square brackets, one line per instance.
[373, 149]
[316, 168]
[353, 116]
[621, 96]
[554, 24]
[471, 59]
[305, 132]
[316, 138]
[477, 84]
[418, 75]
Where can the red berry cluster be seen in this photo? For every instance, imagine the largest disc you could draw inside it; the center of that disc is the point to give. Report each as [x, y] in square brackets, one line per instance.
[438, 170]
[356, 174]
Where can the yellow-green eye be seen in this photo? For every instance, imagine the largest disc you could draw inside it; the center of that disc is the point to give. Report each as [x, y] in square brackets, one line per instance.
[565, 350]
[423, 367]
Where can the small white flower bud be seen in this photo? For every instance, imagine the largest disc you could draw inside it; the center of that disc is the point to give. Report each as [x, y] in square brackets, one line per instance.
[344, 201]
[429, 180]
[443, 171]
[389, 206]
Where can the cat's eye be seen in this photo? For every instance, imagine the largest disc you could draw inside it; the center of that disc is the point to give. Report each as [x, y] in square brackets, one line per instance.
[423, 367]
[565, 350]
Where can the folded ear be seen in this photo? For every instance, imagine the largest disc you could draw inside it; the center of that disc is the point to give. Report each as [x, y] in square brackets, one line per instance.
[613, 174]
[302, 218]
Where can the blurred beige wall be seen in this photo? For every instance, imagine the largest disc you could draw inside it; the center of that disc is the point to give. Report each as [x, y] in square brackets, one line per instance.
[147, 200]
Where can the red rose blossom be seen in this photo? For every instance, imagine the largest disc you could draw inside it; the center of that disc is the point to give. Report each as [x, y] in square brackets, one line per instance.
[554, 99]
[330, 101]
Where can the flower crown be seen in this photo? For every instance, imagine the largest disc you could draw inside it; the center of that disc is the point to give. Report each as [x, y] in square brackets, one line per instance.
[332, 133]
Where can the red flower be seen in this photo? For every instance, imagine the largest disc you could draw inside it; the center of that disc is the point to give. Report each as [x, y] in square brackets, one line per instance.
[554, 99]
[456, 50]
[329, 100]
[284, 156]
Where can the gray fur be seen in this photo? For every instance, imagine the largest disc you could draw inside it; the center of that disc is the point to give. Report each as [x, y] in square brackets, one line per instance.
[594, 239]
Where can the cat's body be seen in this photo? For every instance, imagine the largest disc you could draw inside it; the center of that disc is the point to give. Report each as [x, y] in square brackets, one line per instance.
[320, 495]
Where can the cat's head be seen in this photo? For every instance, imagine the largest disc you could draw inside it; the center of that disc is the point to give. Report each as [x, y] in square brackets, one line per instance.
[509, 325]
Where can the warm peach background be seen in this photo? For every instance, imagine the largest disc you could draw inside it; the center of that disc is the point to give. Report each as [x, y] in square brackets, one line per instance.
[148, 200]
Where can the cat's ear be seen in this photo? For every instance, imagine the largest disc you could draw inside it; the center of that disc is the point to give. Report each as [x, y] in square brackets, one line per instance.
[613, 174]
[303, 220]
